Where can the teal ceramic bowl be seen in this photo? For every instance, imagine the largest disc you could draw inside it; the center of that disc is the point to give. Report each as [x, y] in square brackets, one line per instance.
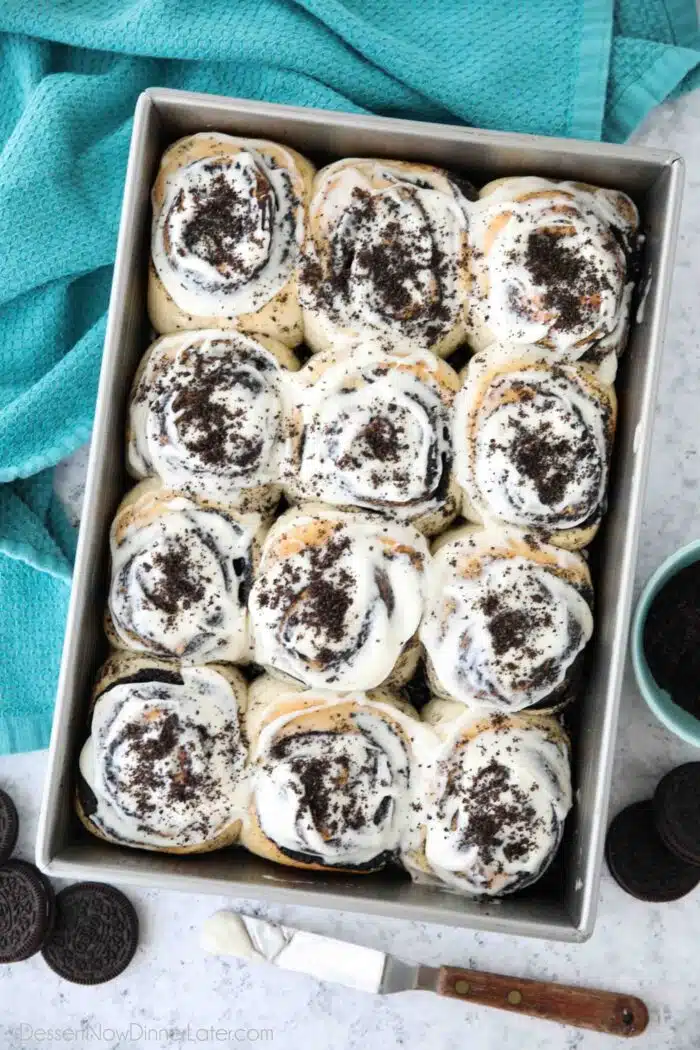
[674, 718]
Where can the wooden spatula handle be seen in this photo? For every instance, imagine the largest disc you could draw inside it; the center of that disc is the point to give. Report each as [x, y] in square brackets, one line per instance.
[582, 1007]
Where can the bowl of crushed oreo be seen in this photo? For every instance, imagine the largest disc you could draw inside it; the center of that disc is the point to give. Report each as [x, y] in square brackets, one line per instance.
[666, 643]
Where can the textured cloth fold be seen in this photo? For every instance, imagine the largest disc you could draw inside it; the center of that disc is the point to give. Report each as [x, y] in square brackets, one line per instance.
[70, 74]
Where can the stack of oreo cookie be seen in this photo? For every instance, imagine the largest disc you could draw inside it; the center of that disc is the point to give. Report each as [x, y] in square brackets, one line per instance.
[87, 933]
[653, 847]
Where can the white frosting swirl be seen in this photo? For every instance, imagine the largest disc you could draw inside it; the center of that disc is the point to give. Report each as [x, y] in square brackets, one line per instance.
[337, 598]
[226, 239]
[385, 254]
[505, 619]
[181, 572]
[336, 795]
[372, 429]
[206, 414]
[494, 805]
[165, 761]
[532, 441]
[549, 262]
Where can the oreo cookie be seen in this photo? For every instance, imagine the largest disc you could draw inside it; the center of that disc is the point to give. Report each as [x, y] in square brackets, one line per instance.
[95, 934]
[26, 910]
[9, 826]
[639, 861]
[677, 811]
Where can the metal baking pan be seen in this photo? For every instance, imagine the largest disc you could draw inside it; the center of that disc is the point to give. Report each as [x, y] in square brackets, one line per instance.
[562, 905]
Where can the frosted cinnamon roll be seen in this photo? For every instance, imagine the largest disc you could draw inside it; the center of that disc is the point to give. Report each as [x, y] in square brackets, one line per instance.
[337, 599]
[181, 572]
[206, 416]
[385, 256]
[372, 429]
[228, 225]
[163, 766]
[506, 619]
[552, 263]
[330, 776]
[533, 442]
[494, 803]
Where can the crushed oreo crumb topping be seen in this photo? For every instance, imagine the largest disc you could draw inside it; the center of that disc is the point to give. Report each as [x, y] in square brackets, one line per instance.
[573, 283]
[501, 816]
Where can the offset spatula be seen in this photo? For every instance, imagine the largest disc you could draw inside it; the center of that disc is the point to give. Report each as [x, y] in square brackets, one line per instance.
[369, 970]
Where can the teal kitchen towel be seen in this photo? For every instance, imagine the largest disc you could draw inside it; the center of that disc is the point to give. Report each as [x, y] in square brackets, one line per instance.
[70, 73]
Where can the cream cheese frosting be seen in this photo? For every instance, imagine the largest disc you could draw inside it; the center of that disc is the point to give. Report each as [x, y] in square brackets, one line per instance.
[532, 440]
[505, 618]
[165, 760]
[337, 597]
[226, 239]
[336, 796]
[385, 255]
[206, 414]
[494, 804]
[549, 263]
[372, 429]
[181, 572]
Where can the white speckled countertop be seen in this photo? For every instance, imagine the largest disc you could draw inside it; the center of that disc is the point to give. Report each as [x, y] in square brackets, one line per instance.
[174, 996]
